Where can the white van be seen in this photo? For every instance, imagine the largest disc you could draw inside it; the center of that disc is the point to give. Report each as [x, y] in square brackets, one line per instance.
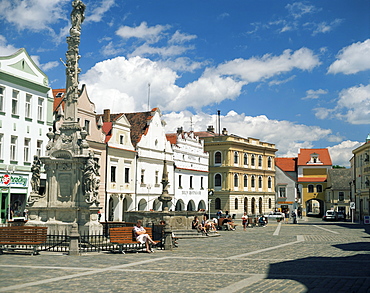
[330, 215]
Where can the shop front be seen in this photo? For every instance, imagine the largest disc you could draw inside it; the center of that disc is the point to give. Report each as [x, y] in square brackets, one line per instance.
[13, 197]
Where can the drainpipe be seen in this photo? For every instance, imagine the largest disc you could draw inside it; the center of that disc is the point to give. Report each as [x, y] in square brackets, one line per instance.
[106, 182]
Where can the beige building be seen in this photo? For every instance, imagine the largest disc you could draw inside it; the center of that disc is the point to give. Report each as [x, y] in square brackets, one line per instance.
[241, 173]
[361, 179]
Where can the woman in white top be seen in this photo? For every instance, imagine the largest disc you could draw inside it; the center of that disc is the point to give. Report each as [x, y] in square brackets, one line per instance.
[142, 236]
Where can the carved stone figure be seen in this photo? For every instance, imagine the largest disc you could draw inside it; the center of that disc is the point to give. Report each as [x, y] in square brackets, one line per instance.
[90, 173]
[36, 171]
[77, 14]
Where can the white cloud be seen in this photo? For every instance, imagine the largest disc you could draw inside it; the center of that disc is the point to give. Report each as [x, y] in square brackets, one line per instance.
[179, 38]
[5, 48]
[168, 51]
[49, 65]
[150, 34]
[223, 82]
[288, 137]
[110, 50]
[352, 59]
[353, 106]
[35, 15]
[298, 9]
[341, 153]
[324, 27]
[98, 12]
[256, 69]
[314, 94]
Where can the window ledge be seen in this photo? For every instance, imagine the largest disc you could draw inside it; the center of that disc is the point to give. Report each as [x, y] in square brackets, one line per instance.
[28, 119]
[15, 116]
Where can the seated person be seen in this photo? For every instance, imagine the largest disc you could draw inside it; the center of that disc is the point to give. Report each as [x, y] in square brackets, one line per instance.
[262, 221]
[230, 225]
[210, 225]
[142, 237]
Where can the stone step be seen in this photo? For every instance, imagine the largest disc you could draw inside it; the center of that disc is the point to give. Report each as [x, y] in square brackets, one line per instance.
[182, 234]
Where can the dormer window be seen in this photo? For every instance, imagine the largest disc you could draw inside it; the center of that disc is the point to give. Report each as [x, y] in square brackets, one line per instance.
[314, 159]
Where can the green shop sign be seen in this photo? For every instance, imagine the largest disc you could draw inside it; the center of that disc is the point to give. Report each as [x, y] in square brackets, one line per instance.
[13, 180]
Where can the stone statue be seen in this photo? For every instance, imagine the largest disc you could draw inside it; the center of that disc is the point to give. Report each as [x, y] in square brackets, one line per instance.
[77, 14]
[90, 172]
[36, 171]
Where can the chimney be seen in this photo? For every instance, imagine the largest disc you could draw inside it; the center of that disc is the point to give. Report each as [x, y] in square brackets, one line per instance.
[224, 131]
[106, 115]
[180, 130]
[210, 129]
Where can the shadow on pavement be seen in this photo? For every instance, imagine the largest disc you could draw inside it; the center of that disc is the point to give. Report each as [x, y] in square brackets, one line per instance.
[355, 246]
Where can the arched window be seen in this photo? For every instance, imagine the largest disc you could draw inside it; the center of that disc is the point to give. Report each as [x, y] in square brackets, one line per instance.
[217, 204]
[319, 188]
[269, 182]
[310, 188]
[270, 204]
[269, 162]
[236, 157]
[260, 182]
[253, 182]
[236, 179]
[253, 206]
[245, 181]
[259, 161]
[246, 204]
[218, 180]
[260, 205]
[245, 159]
[252, 160]
[217, 157]
[236, 204]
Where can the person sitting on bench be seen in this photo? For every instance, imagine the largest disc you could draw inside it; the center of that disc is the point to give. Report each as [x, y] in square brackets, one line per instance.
[230, 225]
[142, 236]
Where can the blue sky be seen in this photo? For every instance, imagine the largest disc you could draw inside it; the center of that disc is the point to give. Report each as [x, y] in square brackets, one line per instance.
[293, 73]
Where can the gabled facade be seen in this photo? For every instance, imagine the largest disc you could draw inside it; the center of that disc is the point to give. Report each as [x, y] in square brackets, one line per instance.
[190, 171]
[313, 166]
[154, 155]
[95, 135]
[241, 173]
[286, 186]
[338, 192]
[26, 106]
[360, 165]
[120, 171]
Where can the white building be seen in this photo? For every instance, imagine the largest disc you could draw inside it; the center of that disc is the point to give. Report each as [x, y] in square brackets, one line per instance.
[153, 152]
[26, 109]
[191, 171]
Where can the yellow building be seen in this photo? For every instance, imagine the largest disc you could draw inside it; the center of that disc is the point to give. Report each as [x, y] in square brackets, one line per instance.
[241, 173]
[313, 166]
[361, 178]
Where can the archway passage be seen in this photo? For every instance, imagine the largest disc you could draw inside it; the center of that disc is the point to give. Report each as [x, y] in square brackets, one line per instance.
[180, 206]
[253, 206]
[111, 209]
[202, 206]
[246, 205]
[191, 206]
[314, 207]
[142, 205]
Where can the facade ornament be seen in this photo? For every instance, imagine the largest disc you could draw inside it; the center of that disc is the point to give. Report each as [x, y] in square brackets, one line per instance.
[35, 180]
[91, 181]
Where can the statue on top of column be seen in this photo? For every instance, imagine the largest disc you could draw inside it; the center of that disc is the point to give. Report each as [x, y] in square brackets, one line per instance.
[77, 14]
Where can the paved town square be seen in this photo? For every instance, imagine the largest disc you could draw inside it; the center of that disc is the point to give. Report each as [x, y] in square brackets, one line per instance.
[311, 256]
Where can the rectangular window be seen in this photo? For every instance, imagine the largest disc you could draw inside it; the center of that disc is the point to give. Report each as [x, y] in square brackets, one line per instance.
[201, 183]
[15, 102]
[39, 148]
[1, 145]
[87, 126]
[142, 176]
[341, 195]
[121, 139]
[13, 148]
[156, 177]
[40, 112]
[127, 175]
[27, 144]
[191, 181]
[180, 178]
[282, 192]
[27, 113]
[113, 173]
[2, 99]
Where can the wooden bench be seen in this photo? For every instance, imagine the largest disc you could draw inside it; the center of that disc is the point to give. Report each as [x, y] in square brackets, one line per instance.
[22, 237]
[125, 239]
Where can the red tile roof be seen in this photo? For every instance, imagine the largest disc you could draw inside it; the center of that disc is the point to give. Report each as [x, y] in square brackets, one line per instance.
[286, 164]
[304, 156]
[172, 137]
[58, 100]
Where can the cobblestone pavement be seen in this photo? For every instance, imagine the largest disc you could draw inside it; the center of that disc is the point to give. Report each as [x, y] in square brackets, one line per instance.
[311, 256]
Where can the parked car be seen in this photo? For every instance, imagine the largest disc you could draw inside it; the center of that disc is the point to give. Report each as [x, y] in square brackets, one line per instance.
[275, 216]
[330, 215]
[341, 216]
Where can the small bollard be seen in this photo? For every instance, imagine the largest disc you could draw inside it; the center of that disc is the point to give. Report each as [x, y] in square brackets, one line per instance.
[74, 239]
[167, 237]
